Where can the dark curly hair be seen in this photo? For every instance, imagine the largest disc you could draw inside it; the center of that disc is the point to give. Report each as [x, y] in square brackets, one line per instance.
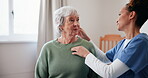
[141, 9]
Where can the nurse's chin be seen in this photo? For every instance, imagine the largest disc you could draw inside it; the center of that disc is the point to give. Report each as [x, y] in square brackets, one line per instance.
[119, 29]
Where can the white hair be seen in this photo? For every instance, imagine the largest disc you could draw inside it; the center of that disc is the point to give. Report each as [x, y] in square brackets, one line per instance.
[59, 16]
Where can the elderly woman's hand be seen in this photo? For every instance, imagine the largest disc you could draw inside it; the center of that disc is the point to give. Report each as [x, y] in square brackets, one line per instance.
[80, 50]
[83, 35]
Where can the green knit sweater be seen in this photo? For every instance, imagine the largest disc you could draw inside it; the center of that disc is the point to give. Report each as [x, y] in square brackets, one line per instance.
[56, 61]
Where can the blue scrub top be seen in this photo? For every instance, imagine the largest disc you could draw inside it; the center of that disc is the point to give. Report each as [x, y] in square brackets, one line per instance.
[134, 55]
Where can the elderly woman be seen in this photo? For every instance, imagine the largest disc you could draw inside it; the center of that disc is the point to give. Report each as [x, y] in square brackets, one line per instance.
[129, 58]
[56, 59]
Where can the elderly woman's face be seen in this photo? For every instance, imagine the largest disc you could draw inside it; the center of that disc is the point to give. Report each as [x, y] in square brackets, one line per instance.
[71, 25]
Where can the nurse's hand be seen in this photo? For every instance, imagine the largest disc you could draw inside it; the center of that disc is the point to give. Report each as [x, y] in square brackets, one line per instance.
[80, 50]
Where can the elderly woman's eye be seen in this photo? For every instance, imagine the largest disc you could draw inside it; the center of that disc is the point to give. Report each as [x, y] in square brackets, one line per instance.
[119, 14]
[71, 20]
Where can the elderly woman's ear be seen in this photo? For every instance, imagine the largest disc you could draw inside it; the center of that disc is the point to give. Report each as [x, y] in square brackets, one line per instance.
[60, 28]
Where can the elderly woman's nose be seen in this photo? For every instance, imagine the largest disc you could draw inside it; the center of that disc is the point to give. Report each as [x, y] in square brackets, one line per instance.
[76, 23]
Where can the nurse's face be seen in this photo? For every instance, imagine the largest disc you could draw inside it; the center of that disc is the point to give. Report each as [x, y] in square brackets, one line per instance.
[123, 19]
[71, 25]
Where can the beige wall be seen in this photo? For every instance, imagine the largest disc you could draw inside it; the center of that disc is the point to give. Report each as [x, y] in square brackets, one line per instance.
[17, 59]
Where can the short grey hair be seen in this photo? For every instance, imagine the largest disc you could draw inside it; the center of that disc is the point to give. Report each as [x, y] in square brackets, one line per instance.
[59, 16]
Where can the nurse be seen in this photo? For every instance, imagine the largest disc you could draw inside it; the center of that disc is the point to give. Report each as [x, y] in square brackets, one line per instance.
[129, 58]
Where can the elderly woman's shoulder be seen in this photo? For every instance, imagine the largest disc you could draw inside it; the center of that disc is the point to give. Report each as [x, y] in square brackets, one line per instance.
[86, 42]
[49, 43]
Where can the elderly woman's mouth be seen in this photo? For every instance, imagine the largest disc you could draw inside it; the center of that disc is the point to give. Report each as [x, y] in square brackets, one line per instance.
[75, 29]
